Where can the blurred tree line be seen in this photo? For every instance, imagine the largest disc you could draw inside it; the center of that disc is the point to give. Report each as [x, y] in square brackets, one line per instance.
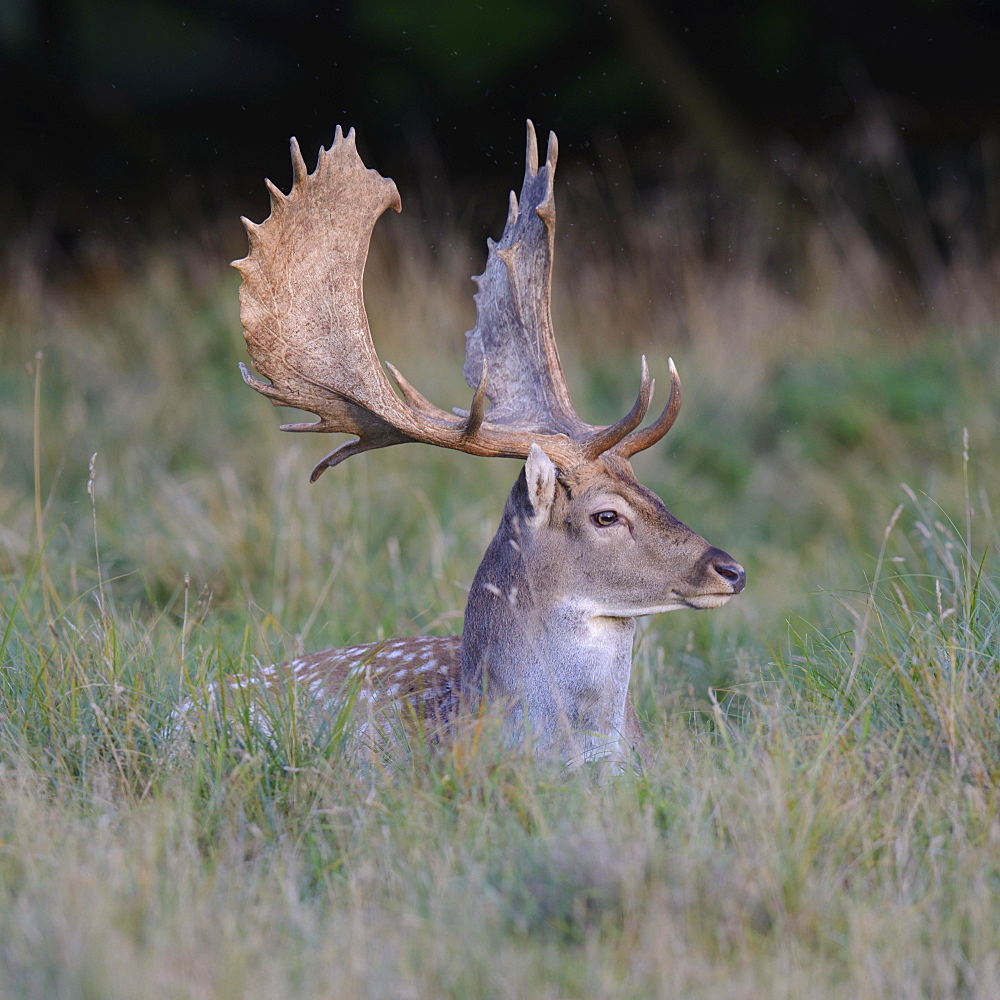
[139, 116]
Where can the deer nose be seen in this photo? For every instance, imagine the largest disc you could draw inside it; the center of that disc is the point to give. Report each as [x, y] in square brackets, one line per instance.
[729, 569]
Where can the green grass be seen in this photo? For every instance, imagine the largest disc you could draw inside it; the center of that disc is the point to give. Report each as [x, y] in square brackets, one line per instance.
[819, 814]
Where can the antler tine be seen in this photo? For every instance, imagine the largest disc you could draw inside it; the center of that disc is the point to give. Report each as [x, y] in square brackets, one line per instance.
[477, 409]
[638, 441]
[608, 437]
[413, 396]
[473, 418]
[338, 455]
[512, 210]
[552, 152]
[299, 169]
[531, 151]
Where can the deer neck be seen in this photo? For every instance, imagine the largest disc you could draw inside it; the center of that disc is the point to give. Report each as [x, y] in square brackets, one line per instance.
[531, 644]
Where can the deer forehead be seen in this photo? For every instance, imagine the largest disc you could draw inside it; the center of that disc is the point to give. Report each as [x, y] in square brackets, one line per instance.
[601, 473]
[609, 483]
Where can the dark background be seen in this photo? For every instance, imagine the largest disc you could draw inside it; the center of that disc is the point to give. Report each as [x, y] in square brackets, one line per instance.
[138, 118]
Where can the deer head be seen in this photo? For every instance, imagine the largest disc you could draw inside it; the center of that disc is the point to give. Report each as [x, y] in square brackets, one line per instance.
[582, 548]
[550, 619]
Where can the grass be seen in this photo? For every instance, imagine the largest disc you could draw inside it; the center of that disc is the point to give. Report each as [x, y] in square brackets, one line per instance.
[819, 815]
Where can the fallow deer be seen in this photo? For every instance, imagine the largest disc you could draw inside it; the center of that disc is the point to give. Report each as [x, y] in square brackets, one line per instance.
[582, 548]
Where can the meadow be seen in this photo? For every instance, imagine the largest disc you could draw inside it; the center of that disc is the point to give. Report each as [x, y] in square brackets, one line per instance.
[819, 813]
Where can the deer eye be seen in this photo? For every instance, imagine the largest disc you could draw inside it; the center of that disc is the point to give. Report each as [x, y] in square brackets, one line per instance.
[604, 518]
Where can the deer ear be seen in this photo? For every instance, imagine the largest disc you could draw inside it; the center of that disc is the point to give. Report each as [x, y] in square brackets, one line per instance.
[540, 474]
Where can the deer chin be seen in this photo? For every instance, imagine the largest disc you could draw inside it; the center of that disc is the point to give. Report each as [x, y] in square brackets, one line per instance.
[620, 613]
[700, 602]
[679, 602]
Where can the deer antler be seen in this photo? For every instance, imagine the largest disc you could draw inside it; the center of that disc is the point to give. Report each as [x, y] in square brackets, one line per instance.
[307, 332]
[513, 340]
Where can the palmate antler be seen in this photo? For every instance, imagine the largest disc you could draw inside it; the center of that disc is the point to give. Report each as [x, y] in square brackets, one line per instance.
[307, 332]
